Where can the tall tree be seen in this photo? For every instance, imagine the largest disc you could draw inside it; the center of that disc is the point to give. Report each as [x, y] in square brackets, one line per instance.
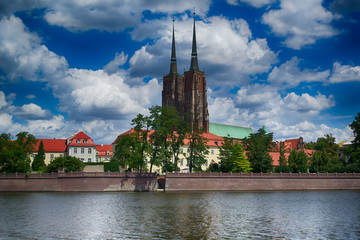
[258, 145]
[39, 160]
[326, 157]
[197, 149]
[298, 161]
[141, 127]
[225, 155]
[14, 155]
[353, 151]
[240, 163]
[128, 151]
[174, 129]
[283, 163]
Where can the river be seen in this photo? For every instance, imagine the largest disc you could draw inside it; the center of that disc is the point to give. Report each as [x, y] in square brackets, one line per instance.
[163, 215]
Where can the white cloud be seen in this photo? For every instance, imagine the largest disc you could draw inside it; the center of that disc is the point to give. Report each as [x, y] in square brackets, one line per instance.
[87, 94]
[225, 49]
[30, 96]
[289, 75]
[306, 103]
[113, 15]
[3, 102]
[344, 73]
[113, 66]
[254, 3]
[301, 22]
[32, 111]
[5, 121]
[22, 55]
[290, 116]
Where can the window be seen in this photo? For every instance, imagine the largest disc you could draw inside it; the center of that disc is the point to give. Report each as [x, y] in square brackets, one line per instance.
[78, 141]
[61, 155]
[181, 150]
[182, 162]
[51, 156]
[188, 150]
[89, 159]
[206, 163]
[89, 150]
[34, 155]
[75, 150]
[85, 141]
[97, 160]
[212, 152]
[82, 159]
[108, 153]
[97, 152]
[82, 150]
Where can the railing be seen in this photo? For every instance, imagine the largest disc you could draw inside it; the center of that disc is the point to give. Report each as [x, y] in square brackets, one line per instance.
[77, 175]
[263, 175]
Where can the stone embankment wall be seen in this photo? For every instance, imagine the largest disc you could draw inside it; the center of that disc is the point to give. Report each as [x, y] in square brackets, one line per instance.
[79, 182]
[261, 181]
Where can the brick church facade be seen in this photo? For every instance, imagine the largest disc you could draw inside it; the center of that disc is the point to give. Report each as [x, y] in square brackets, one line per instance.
[187, 93]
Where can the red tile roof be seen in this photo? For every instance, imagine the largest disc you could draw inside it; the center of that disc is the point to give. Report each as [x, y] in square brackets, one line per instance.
[82, 137]
[52, 145]
[103, 149]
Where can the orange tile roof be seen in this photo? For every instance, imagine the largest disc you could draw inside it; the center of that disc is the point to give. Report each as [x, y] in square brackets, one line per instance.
[52, 145]
[213, 140]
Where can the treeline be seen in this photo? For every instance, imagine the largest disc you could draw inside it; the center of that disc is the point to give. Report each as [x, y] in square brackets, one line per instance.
[15, 156]
[158, 138]
[327, 157]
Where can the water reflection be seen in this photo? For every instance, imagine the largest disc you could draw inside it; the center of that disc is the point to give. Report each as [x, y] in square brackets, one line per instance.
[208, 215]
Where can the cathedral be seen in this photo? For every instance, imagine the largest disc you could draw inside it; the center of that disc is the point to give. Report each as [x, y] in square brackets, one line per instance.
[187, 92]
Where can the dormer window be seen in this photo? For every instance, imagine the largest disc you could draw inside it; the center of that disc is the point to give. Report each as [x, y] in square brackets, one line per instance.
[78, 141]
[85, 141]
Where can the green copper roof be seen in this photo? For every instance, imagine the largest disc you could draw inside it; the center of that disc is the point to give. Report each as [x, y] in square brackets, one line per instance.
[222, 130]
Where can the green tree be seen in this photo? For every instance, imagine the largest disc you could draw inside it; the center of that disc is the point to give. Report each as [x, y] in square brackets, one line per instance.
[213, 167]
[240, 163]
[258, 145]
[326, 157]
[68, 163]
[226, 154]
[128, 151]
[283, 163]
[173, 130]
[141, 133]
[353, 151]
[39, 160]
[298, 161]
[197, 149]
[319, 162]
[14, 155]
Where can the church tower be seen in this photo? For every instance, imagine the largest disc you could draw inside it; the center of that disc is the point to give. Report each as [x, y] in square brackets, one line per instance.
[173, 83]
[195, 96]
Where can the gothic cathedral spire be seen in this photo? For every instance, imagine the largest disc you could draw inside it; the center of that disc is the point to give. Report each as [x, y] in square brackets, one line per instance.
[194, 66]
[173, 65]
[173, 83]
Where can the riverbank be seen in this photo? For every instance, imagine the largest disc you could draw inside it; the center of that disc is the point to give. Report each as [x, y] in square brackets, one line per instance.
[261, 181]
[119, 182]
[78, 182]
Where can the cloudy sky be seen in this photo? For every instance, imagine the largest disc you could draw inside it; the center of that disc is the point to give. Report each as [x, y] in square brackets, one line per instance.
[68, 66]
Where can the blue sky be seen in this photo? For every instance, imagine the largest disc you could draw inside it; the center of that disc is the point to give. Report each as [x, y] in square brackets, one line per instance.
[69, 66]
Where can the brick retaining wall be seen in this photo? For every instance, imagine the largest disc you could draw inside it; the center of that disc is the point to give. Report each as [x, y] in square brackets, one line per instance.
[80, 181]
[261, 181]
